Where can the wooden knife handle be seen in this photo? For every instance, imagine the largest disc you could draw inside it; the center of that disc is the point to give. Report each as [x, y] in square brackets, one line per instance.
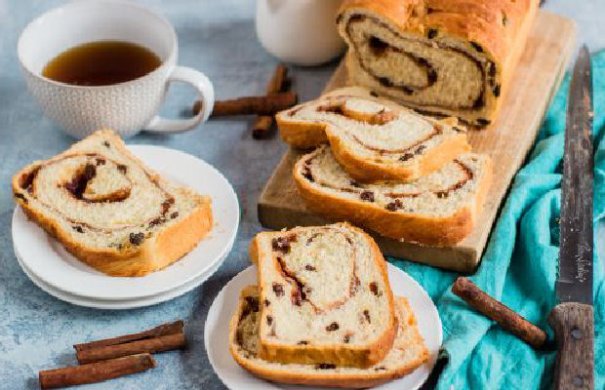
[573, 324]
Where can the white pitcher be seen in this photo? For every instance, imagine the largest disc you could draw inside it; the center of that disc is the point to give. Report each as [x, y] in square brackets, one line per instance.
[301, 32]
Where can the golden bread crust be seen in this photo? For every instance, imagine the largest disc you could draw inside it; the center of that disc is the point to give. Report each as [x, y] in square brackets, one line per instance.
[301, 134]
[367, 171]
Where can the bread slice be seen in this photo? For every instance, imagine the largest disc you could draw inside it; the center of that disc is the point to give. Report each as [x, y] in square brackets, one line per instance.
[454, 57]
[407, 353]
[373, 138]
[325, 297]
[109, 210]
[437, 210]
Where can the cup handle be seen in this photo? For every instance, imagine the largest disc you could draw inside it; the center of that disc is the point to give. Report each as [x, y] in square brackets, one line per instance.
[205, 91]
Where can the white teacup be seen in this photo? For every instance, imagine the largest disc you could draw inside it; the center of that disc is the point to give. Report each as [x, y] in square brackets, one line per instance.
[125, 107]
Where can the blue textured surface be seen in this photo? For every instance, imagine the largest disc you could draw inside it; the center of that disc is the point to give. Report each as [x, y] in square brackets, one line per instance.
[217, 37]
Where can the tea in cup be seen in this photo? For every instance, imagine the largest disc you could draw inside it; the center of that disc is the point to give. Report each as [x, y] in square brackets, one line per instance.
[107, 64]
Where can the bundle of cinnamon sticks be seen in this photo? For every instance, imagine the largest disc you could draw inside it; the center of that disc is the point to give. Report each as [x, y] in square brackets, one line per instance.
[278, 97]
[115, 357]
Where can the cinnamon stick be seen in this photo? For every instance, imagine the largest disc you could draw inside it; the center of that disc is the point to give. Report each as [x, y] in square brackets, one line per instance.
[498, 312]
[95, 372]
[149, 345]
[264, 123]
[251, 105]
[161, 330]
[262, 126]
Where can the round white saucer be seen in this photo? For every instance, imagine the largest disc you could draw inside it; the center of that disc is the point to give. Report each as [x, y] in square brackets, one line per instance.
[216, 333]
[121, 304]
[49, 262]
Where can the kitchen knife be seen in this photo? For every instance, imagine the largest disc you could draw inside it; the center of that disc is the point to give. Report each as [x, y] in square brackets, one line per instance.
[572, 319]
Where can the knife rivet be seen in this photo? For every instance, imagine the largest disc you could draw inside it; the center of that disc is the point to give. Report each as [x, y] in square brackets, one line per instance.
[576, 333]
[578, 381]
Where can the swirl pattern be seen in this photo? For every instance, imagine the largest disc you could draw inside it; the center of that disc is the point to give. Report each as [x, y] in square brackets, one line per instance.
[446, 57]
[438, 209]
[109, 210]
[326, 297]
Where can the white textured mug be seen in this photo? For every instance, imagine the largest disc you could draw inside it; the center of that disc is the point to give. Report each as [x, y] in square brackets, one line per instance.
[125, 107]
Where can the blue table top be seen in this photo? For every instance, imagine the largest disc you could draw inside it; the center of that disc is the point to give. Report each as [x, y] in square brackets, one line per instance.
[217, 37]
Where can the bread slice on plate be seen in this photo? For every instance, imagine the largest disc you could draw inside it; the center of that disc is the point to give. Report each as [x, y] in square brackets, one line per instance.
[373, 138]
[109, 210]
[439, 209]
[407, 353]
[325, 297]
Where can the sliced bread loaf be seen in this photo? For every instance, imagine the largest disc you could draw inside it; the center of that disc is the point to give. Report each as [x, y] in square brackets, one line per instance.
[437, 210]
[109, 210]
[373, 138]
[407, 353]
[325, 297]
[454, 57]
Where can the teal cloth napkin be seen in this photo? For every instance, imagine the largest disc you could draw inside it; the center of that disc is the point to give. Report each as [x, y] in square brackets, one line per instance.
[519, 267]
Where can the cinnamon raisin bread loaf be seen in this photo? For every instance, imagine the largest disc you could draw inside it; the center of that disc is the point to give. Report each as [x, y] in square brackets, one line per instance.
[373, 138]
[453, 57]
[437, 210]
[407, 353]
[109, 210]
[325, 297]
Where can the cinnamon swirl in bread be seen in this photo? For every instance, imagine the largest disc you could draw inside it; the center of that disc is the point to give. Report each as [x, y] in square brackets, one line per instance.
[406, 354]
[451, 57]
[439, 209]
[109, 210]
[373, 138]
[324, 297]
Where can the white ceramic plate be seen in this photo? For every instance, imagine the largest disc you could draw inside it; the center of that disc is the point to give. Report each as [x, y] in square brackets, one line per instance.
[216, 333]
[46, 259]
[121, 304]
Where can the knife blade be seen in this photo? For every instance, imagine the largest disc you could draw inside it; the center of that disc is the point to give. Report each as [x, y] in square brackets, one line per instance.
[572, 319]
[576, 246]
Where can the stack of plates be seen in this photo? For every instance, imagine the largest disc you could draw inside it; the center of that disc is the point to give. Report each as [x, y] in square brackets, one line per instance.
[61, 275]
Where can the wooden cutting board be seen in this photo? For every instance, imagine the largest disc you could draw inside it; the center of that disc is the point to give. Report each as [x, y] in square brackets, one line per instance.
[507, 141]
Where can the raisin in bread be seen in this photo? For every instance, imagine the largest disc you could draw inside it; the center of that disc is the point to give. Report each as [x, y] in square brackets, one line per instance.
[437, 210]
[453, 57]
[109, 210]
[372, 138]
[407, 353]
[325, 297]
